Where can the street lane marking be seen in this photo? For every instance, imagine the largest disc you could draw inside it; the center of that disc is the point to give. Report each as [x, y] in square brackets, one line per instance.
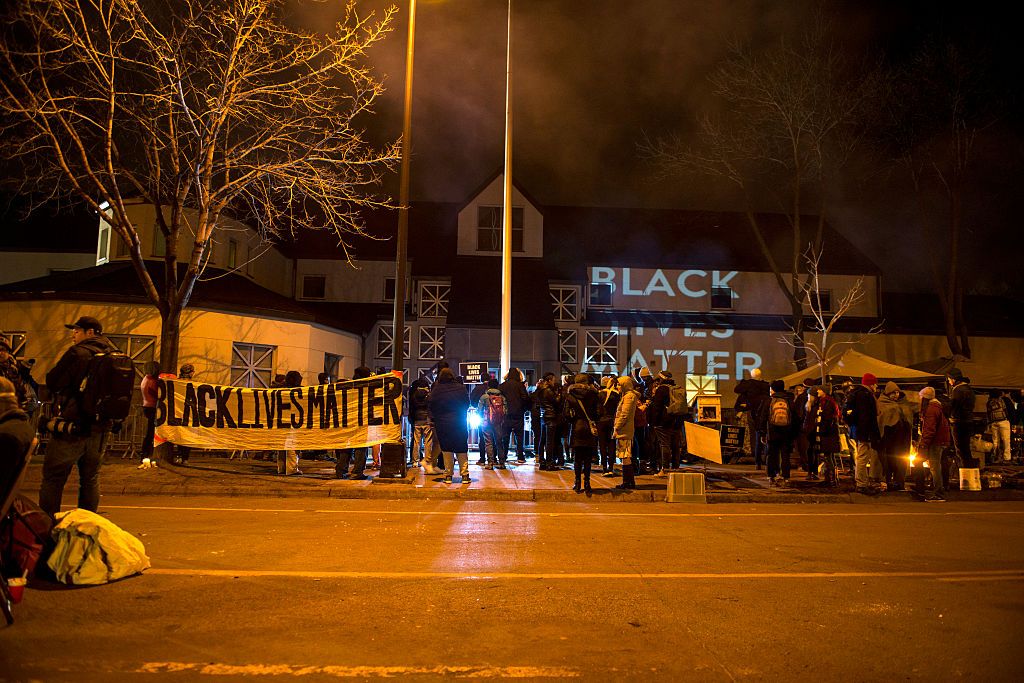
[593, 513]
[980, 575]
[209, 669]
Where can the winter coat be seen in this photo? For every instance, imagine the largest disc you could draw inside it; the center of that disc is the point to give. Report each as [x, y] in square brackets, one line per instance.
[65, 379]
[895, 423]
[624, 413]
[581, 406]
[517, 399]
[824, 415]
[551, 404]
[861, 414]
[752, 395]
[962, 403]
[448, 404]
[418, 396]
[608, 403]
[934, 426]
[657, 408]
[485, 402]
[778, 432]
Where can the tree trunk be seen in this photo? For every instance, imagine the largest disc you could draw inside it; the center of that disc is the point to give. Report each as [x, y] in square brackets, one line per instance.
[170, 322]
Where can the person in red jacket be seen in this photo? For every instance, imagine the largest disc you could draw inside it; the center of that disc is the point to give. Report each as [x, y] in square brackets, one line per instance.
[934, 439]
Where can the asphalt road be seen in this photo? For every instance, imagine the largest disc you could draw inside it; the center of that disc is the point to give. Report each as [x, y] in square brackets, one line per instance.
[273, 589]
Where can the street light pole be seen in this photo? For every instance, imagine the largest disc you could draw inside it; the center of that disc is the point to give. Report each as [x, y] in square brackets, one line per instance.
[402, 243]
[506, 233]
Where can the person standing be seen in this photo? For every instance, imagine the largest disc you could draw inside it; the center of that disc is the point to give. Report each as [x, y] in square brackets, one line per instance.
[491, 409]
[623, 430]
[448, 404]
[149, 386]
[823, 438]
[551, 413]
[422, 431]
[998, 410]
[752, 397]
[934, 439]
[355, 456]
[664, 424]
[860, 413]
[517, 402]
[961, 413]
[288, 459]
[896, 426]
[536, 424]
[84, 448]
[581, 414]
[16, 433]
[780, 428]
[608, 403]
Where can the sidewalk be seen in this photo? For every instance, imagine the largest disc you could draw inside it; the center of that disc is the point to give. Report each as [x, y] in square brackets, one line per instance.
[210, 474]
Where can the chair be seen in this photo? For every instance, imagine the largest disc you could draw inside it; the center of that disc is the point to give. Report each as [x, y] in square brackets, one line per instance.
[20, 470]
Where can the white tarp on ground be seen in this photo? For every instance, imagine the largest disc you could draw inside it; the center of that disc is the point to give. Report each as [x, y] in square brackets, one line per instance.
[1000, 373]
[855, 364]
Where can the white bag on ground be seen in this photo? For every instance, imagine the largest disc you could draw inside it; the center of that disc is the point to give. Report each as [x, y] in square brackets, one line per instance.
[93, 550]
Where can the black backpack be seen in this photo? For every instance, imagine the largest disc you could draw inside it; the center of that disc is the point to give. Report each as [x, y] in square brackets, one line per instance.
[109, 385]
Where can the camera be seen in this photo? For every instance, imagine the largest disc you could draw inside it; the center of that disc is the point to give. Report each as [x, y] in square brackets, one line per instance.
[58, 425]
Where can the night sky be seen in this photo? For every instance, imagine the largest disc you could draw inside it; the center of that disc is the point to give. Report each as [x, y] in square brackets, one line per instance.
[591, 77]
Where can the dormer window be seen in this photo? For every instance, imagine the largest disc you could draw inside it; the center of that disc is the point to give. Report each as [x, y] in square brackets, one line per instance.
[314, 286]
[489, 223]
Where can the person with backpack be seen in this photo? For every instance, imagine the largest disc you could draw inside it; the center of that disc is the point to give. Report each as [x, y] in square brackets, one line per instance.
[517, 402]
[608, 403]
[934, 440]
[860, 413]
[491, 409]
[780, 428]
[896, 426]
[149, 387]
[82, 443]
[581, 414]
[665, 413]
[998, 410]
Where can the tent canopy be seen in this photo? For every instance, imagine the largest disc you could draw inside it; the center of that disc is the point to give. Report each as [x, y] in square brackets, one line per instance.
[855, 364]
[1005, 373]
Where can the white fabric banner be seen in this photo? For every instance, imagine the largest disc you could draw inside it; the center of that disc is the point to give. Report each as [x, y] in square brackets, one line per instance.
[349, 414]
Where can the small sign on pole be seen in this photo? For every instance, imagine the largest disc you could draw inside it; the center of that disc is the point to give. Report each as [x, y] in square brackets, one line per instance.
[473, 372]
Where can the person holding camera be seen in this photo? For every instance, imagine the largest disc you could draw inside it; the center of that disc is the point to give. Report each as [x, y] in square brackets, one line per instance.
[76, 439]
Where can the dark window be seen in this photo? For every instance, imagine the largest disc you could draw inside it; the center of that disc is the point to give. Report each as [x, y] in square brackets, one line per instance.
[721, 297]
[232, 253]
[489, 220]
[825, 297]
[389, 289]
[601, 294]
[314, 286]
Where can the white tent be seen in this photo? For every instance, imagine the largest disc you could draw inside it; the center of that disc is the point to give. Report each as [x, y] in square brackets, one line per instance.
[855, 364]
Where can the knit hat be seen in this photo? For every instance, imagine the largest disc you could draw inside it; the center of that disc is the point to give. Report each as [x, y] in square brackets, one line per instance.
[778, 385]
[891, 388]
[868, 380]
[928, 393]
[664, 375]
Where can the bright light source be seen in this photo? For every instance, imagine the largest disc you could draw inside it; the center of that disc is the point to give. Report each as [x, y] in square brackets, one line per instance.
[473, 419]
[104, 206]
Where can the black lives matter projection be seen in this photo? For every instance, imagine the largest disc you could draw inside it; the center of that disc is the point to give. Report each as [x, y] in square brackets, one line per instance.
[349, 414]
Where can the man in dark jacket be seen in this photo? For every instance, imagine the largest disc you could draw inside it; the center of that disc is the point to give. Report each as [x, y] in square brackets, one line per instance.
[355, 456]
[517, 402]
[780, 428]
[581, 406]
[608, 403]
[752, 398]
[860, 413]
[422, 444]
[961, 415]
[85, 447]
[665, 425]
[550, 398]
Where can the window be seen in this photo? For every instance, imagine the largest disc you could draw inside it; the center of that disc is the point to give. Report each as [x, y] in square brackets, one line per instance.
[232, 254]
[384, 338]
[721, 297]
[252, 365]
[567, 346]
[140, 348]
[600, 294]
[16, 340]
[825, 297]
[248, 259]
[103, 248]
[389, 289]
[564, 303]
[602, 348]
[314, 286]
[434, 300]
[431, 343]
[122, 247]
[332, 364]
[489, 223]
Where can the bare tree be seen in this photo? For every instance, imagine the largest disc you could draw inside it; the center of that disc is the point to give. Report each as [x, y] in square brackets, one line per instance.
[204, 109]
[818, 340]
[931, 115]
[788, 126]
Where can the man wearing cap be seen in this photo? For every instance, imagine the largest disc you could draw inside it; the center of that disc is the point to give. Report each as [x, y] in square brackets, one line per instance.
[860, 413]
[961, 412]
[85, 448]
